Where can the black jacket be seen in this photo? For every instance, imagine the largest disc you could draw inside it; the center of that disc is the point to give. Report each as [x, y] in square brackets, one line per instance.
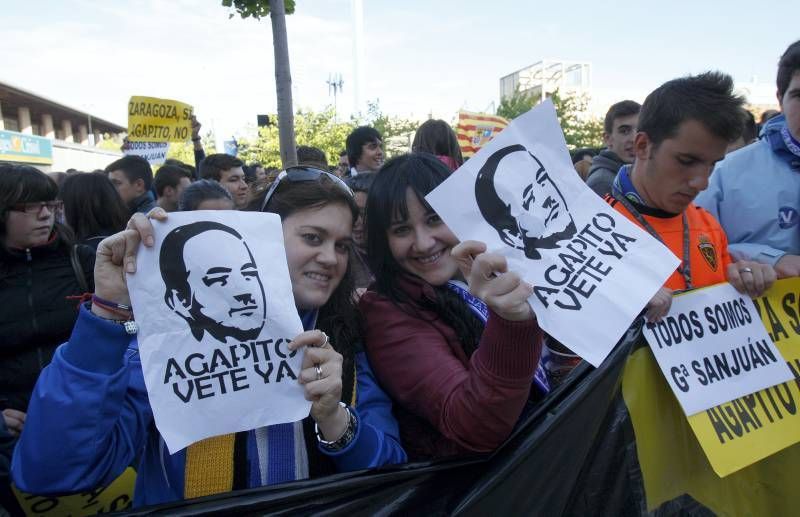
[35, 314]
[143, 203]
[604, 169]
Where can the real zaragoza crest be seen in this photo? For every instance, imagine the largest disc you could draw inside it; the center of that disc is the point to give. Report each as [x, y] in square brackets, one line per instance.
[708, 251]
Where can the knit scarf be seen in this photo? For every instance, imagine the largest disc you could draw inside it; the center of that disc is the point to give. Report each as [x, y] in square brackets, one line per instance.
[624, 185]
[783, 144]
[792, 145]
[479, 308]
[264, 456]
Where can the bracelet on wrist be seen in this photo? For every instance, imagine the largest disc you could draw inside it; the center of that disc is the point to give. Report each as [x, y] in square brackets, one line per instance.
[347, 436]
[196, 139]
[130, 326]
[117, 308]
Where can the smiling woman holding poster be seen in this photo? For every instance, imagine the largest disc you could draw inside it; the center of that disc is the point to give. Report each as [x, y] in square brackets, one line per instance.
[93, 397]
[460, 359]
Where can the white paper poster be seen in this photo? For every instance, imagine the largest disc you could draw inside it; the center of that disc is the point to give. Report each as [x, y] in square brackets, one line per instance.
[712, 348]
[593, 270]
[215, 310]
[154, 152]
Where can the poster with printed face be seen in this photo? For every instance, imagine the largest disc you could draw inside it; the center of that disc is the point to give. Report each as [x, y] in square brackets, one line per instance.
[215, 310]
[593, 271]
[712, 348]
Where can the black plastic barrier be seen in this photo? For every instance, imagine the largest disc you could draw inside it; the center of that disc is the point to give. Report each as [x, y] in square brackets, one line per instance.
[545, 468]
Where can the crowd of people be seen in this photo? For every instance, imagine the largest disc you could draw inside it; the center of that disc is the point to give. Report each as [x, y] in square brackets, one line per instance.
[417, 346]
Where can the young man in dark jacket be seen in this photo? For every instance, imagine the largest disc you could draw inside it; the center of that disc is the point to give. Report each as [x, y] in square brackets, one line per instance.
[132, 177]
[619, 130]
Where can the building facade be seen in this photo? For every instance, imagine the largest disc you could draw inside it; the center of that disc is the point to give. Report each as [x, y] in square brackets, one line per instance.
[50, 136]
[544, 77]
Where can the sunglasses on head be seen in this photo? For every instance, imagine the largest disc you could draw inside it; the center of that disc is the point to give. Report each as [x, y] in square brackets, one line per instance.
[298, 174]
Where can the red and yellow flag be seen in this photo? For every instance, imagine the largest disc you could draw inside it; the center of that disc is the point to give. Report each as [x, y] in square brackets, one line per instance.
[474, 130]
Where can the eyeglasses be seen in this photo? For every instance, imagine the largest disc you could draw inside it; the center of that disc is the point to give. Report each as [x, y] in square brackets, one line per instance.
[37, 206]
[298, 174]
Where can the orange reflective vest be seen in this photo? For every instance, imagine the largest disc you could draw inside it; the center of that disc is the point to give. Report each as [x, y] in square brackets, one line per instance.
[708, 244]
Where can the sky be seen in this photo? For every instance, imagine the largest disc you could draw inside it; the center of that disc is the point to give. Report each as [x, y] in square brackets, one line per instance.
[422, 58]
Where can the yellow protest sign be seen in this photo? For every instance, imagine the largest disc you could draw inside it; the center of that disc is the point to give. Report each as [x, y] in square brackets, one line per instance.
[749, 428]
[158, 120]
[115, 497]
[738, 458]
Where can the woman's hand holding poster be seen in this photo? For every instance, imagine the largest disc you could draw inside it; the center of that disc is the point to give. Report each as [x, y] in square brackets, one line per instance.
[592, 270]
[215, 310]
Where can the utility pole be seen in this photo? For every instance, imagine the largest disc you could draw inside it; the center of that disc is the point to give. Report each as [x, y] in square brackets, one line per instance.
[359, 59]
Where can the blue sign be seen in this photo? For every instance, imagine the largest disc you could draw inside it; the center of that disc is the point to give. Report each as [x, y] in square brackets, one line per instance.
[231, 147]
[19, 147]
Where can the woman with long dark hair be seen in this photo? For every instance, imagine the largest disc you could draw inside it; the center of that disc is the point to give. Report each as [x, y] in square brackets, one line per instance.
[351, 425]
[92, 207]
[458, 358]
[436, 137]
[39, 269]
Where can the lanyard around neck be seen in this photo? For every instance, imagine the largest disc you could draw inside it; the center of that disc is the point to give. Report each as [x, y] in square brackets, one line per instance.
[685, 268]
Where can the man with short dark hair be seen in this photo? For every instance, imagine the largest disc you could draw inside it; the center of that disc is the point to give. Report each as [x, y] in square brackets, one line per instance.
[228, 171]
[755, 192]
[619, 129]
[169, 183]
[312, 157]
[364, 150]
[132, 177]
[685, 126]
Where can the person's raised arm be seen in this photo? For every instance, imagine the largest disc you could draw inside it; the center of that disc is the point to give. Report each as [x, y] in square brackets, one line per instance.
[92, 396]
[197, 144]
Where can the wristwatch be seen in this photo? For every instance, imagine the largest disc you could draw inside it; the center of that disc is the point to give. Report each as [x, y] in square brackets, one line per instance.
[348, 435]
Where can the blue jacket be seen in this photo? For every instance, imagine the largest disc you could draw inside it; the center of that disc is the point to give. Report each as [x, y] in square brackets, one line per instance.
[755, 195]
[89, 418]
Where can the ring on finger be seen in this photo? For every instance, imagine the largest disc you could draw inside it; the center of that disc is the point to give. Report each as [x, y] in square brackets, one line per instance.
[319, 371]
[747, 270]
[327, 341]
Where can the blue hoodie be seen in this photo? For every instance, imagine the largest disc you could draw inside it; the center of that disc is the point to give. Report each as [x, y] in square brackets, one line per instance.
[89, 418]
[755, 194]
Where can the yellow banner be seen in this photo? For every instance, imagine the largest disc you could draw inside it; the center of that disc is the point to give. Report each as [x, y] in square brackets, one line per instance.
[740, 458]
[115, 497]
[746, 429]
[158, 120]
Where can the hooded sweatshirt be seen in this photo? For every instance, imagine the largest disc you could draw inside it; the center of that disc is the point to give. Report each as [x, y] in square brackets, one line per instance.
[603, 171]
[753, 193]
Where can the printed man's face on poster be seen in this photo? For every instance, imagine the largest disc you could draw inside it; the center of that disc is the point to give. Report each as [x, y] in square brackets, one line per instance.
[519, 199]
[225, 296]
